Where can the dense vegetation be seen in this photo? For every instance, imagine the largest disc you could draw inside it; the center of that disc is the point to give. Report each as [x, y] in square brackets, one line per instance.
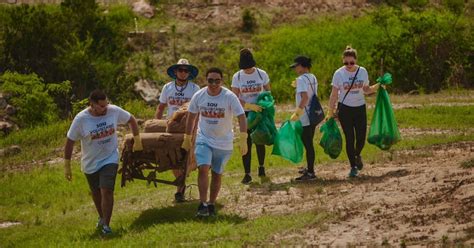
[78, 46]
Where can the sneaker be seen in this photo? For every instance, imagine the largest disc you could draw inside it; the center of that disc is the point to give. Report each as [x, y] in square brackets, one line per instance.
[302, 170]
[203, 211]
[358, 162]
[306, 177]
[212, 210]
[354, 172]
[99, 224]
[261, 171]
[106, 229]
[179, 197]
[247, 179]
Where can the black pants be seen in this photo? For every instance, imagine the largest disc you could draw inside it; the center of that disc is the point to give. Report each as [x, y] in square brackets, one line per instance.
[307, 137]
[247, 158]
[354, 125]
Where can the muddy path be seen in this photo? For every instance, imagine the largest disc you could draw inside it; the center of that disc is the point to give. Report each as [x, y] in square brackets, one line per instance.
[421, 197]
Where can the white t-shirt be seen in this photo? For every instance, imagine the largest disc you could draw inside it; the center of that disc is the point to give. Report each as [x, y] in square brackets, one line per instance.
[98, 137]
[250, 85]
[215, 117]
[306, 83]
[342, 80]
[175, 96]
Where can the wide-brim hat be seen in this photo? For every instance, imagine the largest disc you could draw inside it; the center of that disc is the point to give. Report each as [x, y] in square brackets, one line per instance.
[193, 70]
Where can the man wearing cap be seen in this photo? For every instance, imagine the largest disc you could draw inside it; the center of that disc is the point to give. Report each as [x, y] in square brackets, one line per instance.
[247, 84]
[216, 107]
[173, 95]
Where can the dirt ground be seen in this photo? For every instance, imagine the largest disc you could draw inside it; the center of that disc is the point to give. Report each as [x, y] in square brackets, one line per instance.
[421, 197]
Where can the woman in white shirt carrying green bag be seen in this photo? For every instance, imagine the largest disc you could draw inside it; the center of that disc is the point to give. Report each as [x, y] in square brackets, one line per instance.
[349, 84]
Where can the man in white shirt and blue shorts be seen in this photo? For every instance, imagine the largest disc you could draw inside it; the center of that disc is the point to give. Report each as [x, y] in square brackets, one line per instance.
[216, 107]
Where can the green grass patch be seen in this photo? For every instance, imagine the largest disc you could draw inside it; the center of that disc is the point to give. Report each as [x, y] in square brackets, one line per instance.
[54, 211]
[36, 143]
[468, 164]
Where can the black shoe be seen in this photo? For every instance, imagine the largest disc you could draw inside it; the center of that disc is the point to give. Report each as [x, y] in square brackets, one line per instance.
[302, 170]
[358, 162]
[261, 171]
[247, 179]
[203, 211]
[179, 197]
[306, 177]
[212, 210]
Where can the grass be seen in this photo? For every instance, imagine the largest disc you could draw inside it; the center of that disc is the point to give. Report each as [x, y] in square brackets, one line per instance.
[36, 143]
[54, 211]
[468, 164]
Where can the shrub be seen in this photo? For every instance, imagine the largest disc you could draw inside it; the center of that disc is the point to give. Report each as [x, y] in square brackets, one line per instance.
[249, 23]
[29, 94]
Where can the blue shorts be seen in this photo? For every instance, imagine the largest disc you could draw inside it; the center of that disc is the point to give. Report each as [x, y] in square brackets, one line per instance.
[217, 158]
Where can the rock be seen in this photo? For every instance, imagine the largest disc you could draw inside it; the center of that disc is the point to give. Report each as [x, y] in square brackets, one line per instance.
[143, 8]
[10, 110]
[10, 151]
[148, 91]
[7, 127]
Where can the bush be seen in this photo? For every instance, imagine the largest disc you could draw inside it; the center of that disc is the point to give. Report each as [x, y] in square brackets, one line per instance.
[323, 41]
[249, 23]
[29, 94]
[425, 50]
[75, 41]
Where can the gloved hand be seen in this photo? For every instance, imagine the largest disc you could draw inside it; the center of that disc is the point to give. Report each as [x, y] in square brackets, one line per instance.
[67, 169]
[243, 143]
[253, 107]
[296, 116]
[186, 142]
[330, 114]
[137, 143]
[293, 83]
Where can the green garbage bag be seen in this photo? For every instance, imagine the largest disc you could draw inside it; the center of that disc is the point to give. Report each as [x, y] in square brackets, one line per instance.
[331, 141]
[288, 143]
[253, 119]
[384, 129]
[263, 124]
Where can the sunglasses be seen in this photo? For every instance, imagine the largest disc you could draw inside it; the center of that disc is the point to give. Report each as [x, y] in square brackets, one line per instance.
[349, 63]
[214, 81]
[183, 70]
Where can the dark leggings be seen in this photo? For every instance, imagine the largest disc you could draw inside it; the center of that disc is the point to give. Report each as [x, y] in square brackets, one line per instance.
[247, 158]
[354, 125]
[307, 138]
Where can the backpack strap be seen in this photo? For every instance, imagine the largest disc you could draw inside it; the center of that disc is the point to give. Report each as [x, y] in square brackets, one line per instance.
[260, 75]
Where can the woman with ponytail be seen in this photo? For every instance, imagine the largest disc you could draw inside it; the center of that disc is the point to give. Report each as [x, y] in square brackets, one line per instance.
[349, 84]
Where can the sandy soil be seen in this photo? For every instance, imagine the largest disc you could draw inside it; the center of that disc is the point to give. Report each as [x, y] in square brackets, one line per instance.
[421, 197]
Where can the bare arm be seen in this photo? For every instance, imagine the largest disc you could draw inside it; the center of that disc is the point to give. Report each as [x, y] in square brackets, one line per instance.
[132, 123]
[304, 100]
[371, 89]
[159, 110]
[242, 123]
[237, 93]
[267, 87]
[333, 98]
[190, 122]
[68, 149]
